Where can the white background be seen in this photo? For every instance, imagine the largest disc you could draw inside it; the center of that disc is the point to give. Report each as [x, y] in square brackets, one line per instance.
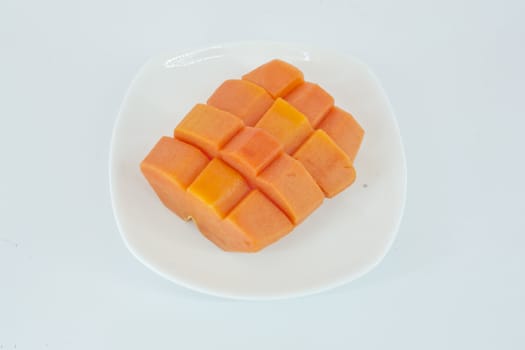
[455, 277]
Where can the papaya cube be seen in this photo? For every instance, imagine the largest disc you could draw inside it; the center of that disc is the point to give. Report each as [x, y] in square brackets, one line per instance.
[250, 151]
[288, 184]
[219, 186]
[243, 99]
[277, 77]
[286, 124]
[344, 130]
[170, 167]
[311, 100]
[208, 128]
[257, 223]
[327, 163]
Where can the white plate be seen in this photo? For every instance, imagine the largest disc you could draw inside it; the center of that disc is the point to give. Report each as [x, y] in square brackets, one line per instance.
[340, 241]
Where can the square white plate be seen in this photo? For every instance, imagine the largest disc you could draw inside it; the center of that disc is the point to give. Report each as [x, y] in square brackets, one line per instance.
[340, 241]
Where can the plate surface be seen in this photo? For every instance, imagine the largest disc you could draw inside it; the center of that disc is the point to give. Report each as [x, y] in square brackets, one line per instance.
[340, 241]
